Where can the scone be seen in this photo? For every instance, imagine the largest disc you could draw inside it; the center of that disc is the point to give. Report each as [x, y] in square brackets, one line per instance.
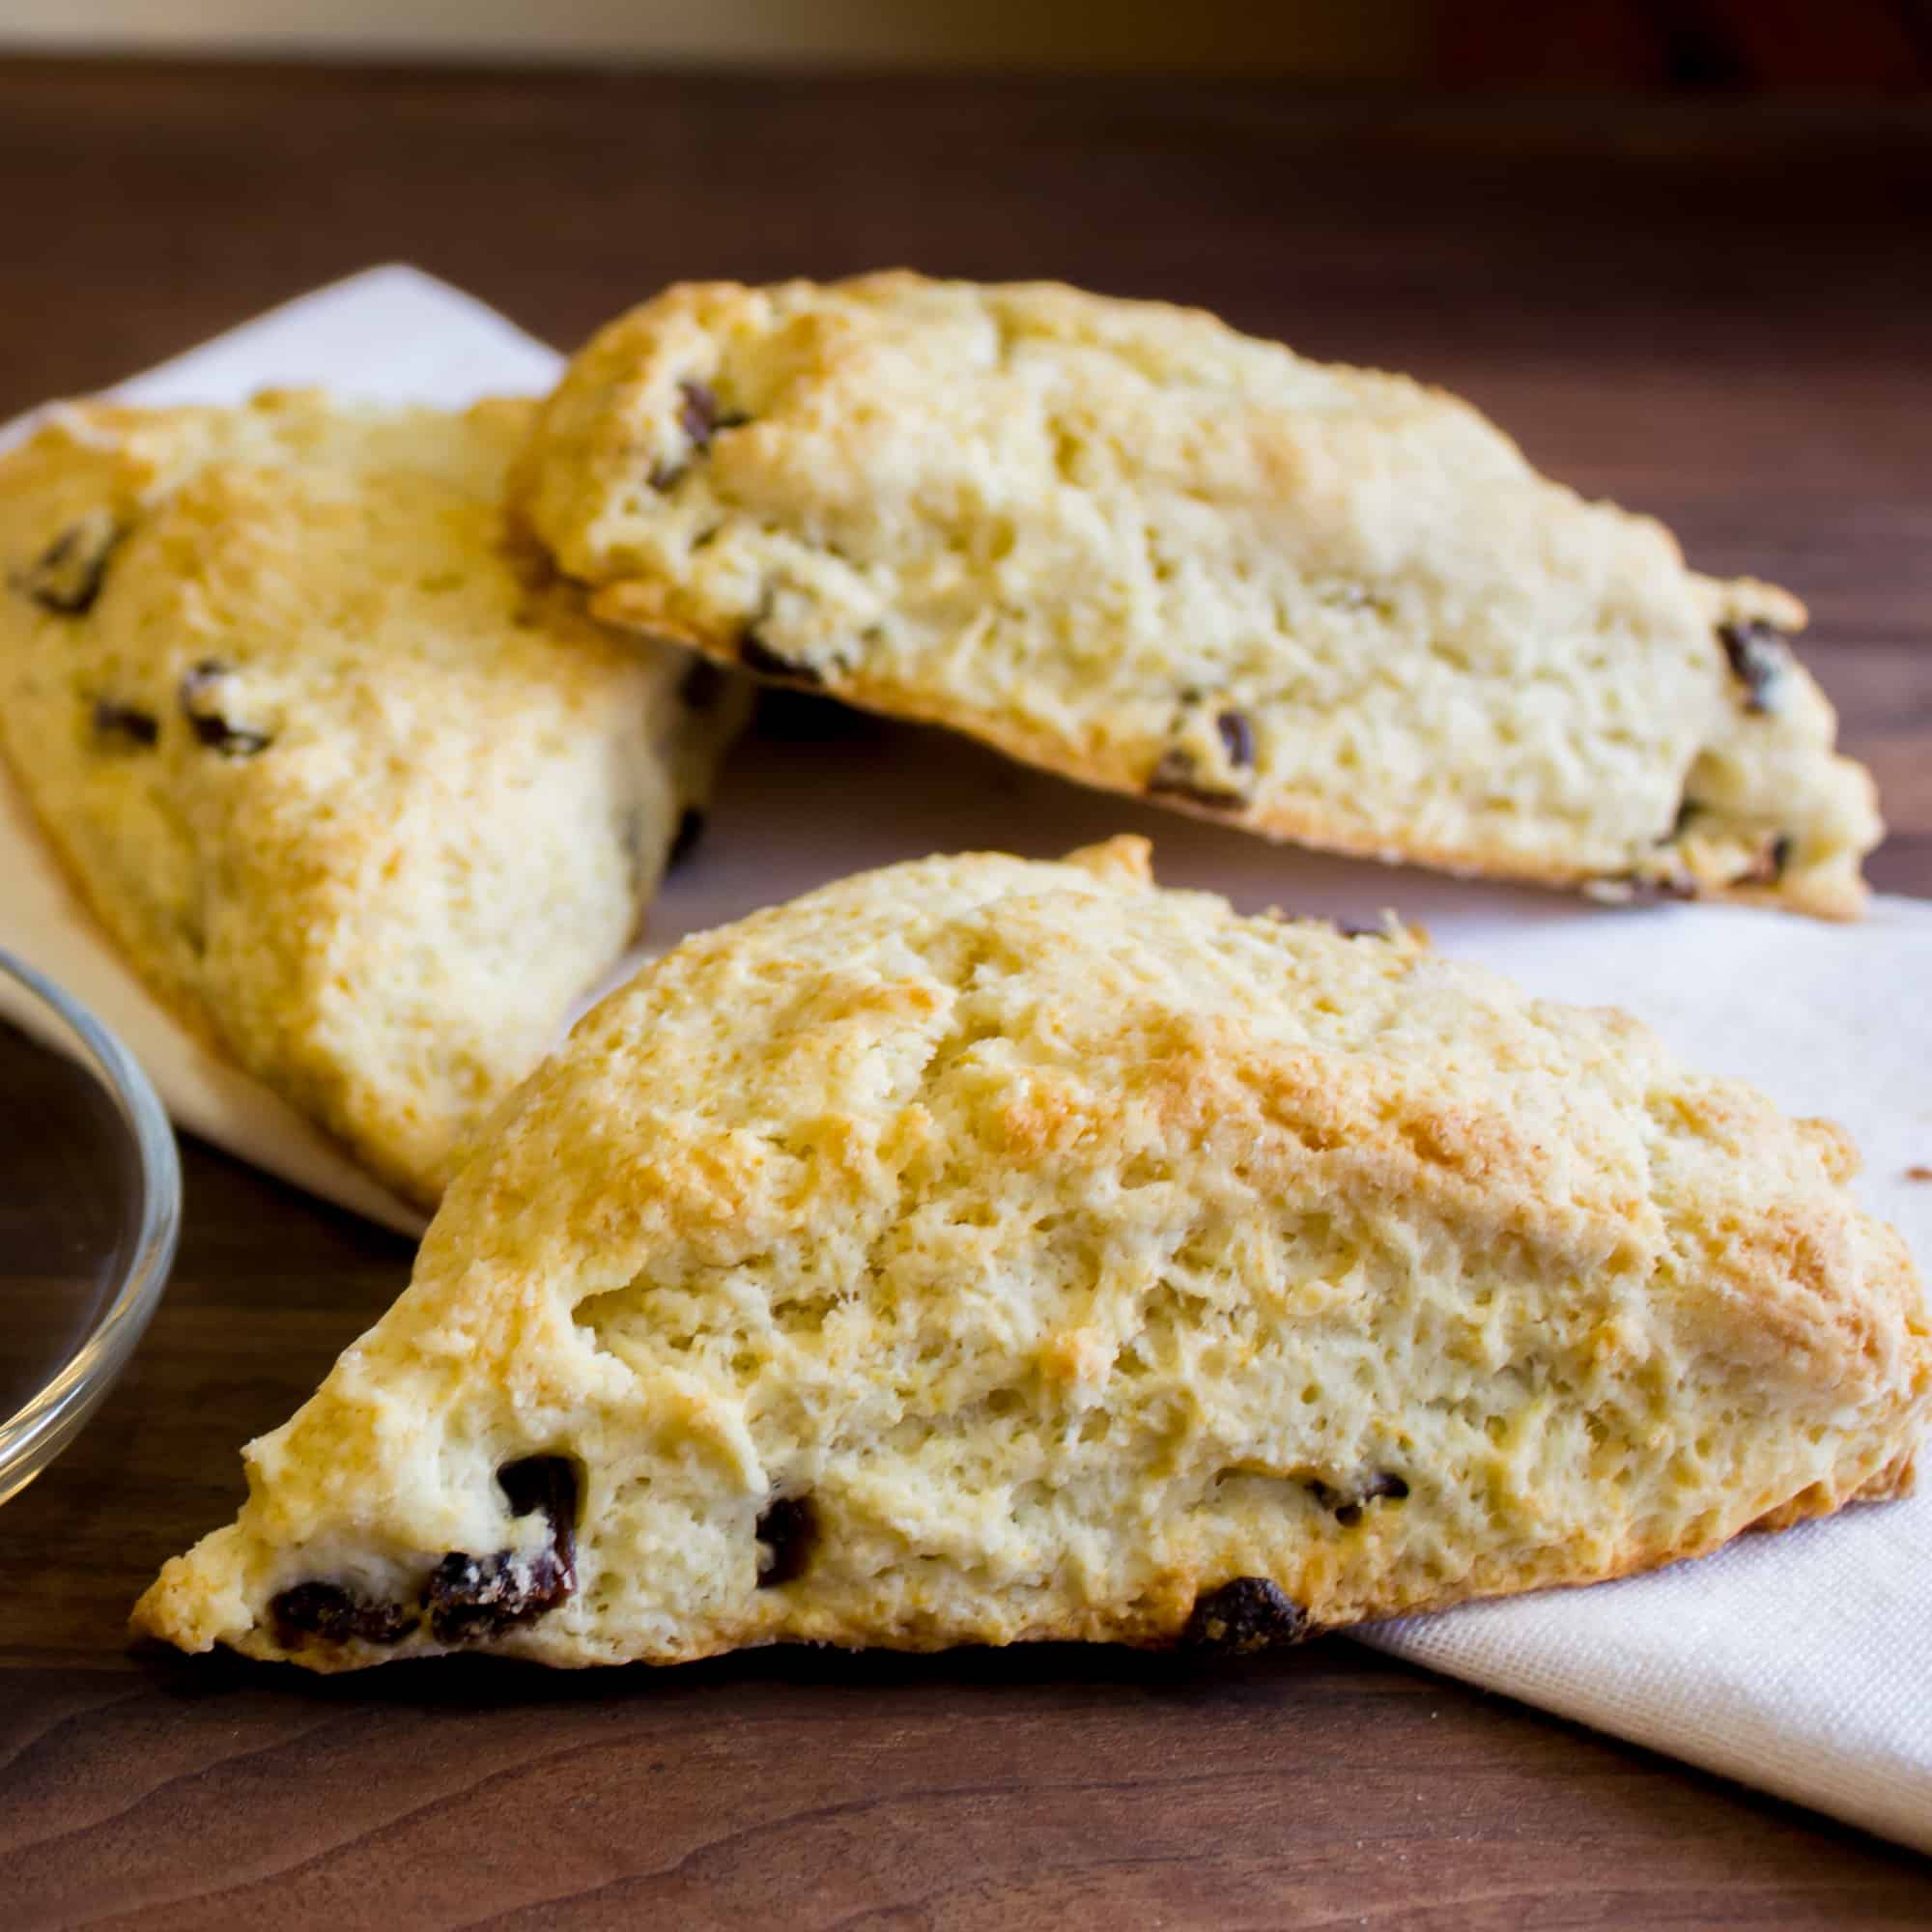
[1120, 541]
[360, 794]
[982, 1250]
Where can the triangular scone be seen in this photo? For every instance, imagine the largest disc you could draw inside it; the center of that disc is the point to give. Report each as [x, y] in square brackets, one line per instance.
[1122, 542]
[364, 800]
[982, 1250]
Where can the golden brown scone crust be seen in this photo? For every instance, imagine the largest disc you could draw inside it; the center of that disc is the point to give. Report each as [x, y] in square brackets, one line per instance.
[364, 800]
[1128, 545]
[996, 1250]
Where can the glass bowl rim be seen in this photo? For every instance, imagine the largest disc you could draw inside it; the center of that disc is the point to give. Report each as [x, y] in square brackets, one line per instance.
[34, 1433]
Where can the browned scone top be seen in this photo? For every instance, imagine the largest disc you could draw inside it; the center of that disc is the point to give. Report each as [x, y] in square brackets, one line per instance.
[982, 1250]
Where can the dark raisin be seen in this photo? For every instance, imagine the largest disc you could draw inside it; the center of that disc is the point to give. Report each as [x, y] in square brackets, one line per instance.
[337, 1615]
[1759, 655]
[232, 741]
[66, 577]
[1177, 777]
[697, 411]
[787, 1530]
[1768, 867]
[474, 1596]
[684, 842]
[667, 475]
[198, 695]
[1687, 809]
[126, 721]
[471, 1597]
[1347, 1506]
[702, 685]
[1362, 932]
[698, 415]
[547, 1483]
[1248, 1614]
[1377, 1487]
[1238, 737]
[754, 654]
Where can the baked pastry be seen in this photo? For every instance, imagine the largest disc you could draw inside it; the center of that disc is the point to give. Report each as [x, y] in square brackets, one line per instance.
[979, 1250]
[1120, 541]
[362, 798]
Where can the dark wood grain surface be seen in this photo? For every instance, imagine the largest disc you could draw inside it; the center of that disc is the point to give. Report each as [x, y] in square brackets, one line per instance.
[1715, 312]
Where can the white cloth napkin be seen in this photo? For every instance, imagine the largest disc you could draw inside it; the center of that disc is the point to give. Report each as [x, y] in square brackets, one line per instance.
[1800, 1663]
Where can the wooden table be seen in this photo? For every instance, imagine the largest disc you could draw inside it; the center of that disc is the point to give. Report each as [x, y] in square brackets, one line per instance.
[1718, 312]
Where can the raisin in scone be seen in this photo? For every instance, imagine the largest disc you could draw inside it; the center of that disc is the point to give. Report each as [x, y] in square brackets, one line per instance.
[980, 1250]
[358, 793]
[1125, 543]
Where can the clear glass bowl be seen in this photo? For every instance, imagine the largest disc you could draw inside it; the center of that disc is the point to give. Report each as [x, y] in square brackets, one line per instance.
[90, 1207]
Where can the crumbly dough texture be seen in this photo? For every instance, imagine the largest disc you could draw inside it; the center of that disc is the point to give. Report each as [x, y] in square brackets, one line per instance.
[982, 1250]
[358, 791]
[1123, 542]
